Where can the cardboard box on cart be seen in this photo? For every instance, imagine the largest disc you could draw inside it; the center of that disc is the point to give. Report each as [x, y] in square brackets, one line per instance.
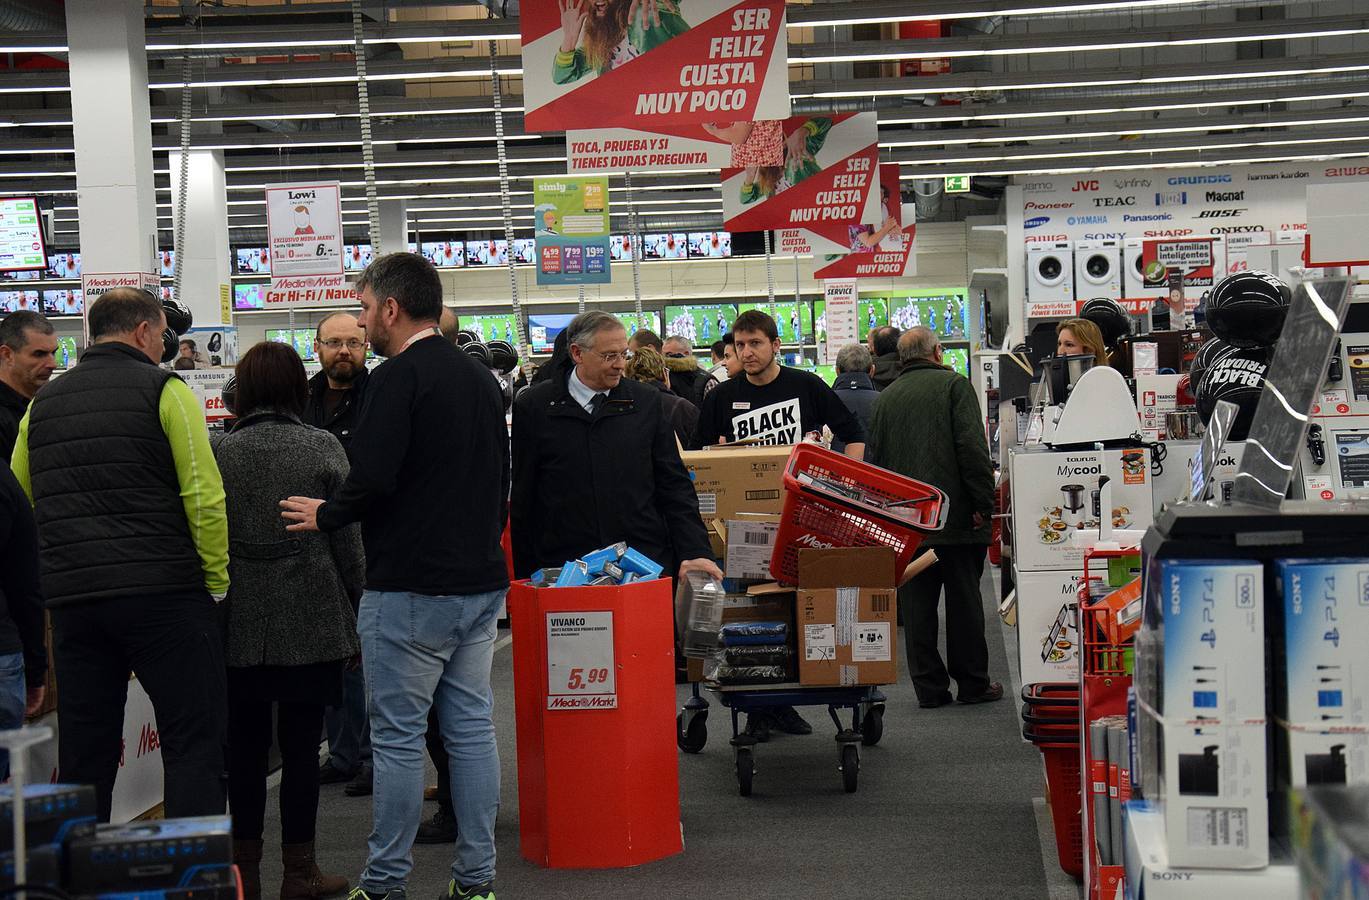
[741, 479]
[761, 603]
[847, 619]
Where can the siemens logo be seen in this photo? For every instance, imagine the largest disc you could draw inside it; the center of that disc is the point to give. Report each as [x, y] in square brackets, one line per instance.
[1036, 222]
[1182, 180]
[1087, 220]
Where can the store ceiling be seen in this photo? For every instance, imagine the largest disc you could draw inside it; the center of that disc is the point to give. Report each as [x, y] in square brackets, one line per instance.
[1025, 87]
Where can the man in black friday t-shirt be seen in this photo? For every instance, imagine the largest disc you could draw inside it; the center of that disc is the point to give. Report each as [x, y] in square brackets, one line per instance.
[771, 404]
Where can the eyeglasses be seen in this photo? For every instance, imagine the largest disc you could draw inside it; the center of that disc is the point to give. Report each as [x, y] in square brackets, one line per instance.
[337, 343]
[614, 355]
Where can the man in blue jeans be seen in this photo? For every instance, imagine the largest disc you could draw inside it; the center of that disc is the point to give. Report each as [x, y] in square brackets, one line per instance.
[23, 654]
[429, 484]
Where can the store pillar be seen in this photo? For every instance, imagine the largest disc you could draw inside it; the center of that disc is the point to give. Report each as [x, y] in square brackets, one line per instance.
[116, 194]
[394, 228]
[203, 250]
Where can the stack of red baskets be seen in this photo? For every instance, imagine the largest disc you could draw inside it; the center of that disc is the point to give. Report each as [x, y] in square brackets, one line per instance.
[1050, 720]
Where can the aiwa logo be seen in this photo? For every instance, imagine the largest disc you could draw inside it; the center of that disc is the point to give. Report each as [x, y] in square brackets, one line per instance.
[1190, 180]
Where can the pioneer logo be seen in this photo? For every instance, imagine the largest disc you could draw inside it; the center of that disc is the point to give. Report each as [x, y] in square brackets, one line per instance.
[1189, 180]
[1126, 184]
[1222, 213]
[809, 540]
[1149, 217]
[1347, 171]
[1225, 196]
[1172, 198]
[1087, 220]
[1085, 186]
[1110, 202]
[1235, 229]
[1036, 222]
[1033, 205]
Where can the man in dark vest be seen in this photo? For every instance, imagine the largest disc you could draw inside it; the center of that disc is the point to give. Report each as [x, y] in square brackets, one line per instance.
[133, 542]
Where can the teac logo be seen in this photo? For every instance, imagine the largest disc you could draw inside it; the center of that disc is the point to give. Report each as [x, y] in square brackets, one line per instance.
[1085, 186]
[1036, 222]
[1172, 198]
[1225, 196]
[1111, 202]
[1190, 180]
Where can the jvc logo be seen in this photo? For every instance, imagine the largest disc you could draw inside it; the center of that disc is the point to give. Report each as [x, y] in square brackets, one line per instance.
[1085, 186]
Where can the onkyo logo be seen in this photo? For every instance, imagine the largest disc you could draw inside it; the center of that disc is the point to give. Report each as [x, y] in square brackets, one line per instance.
[811, 541]
[1199, 179]
[1235, 229]
[1225, 196]
[1036, 222]
[1172, 198]
[1085, 186]
[1222, 213]
[1109, 202]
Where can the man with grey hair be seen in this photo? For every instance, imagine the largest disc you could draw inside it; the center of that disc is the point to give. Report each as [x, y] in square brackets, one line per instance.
[854, 387]
[687, 379]
[928, 425]
[28, 348]
[595, 462]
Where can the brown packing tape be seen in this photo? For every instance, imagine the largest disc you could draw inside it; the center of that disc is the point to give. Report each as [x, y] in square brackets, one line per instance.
[918, 566]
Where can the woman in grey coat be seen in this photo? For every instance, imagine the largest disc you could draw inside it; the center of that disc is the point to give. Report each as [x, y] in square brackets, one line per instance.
[291, 614]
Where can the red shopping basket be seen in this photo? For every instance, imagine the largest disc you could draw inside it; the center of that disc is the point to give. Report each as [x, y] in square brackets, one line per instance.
[1062, 780]
[832, 500]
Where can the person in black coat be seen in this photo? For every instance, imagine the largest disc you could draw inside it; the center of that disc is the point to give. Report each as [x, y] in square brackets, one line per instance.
[595, 462]
[648, 367]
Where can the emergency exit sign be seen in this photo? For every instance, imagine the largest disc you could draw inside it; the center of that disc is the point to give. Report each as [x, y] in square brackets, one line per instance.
[957, 184]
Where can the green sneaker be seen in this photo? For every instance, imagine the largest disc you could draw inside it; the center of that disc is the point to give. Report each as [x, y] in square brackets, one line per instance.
[483, 891]
[358, 893]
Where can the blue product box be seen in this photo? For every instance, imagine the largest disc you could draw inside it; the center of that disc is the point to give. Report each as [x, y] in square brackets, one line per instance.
[1325, 643]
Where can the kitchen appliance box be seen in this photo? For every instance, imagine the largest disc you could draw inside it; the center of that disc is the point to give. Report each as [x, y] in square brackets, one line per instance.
[1048, 626]
[1055, 493]
[732, 480]
[1175, 481]
[846, 617]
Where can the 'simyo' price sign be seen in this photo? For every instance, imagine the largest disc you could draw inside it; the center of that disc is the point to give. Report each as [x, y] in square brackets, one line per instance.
[580, 668]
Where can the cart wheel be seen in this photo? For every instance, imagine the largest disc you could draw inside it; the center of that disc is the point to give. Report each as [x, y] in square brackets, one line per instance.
[850, 766]
[746, 769]
[872, 726]
[691, 739]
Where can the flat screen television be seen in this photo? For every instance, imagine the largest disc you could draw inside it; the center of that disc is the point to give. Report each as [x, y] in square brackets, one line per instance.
[958, 358]
[62, 302]
[64, 265]
[667, 245]
[705, 244]
[524, 251]
[253, 261]
[248, 296]
[302, 340]
[20, 301]
[168, 263]
[634, 322]
[619, 248]
[487, 253]
[871, 312]
[544, 327]
[21, 235]
[68, 351]
[356, 257]
[944, 311]
[793, 320]
[445, 254]
[495, 327]
[23, 275]
[826, 373]
[701, 324]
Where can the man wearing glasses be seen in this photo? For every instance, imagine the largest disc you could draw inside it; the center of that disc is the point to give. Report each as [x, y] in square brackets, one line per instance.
[595, 462]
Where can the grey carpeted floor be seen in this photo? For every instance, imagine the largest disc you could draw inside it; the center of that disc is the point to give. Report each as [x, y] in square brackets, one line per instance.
[945, 810]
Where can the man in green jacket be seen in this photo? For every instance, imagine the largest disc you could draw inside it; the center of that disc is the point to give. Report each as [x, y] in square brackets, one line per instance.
[927, 425]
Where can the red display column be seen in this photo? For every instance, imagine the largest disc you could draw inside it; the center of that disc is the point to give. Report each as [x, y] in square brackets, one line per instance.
[598, 770]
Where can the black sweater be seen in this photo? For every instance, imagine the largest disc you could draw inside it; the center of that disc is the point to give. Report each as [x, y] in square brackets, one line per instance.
[21, 597]
[430, 475]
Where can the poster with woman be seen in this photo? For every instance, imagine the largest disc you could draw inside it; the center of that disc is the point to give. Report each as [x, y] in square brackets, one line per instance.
[642, 63]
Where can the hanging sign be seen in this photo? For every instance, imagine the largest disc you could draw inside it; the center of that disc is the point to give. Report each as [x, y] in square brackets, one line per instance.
[829, 180]
[580, 668]
[880, 263]
[601, 63]
[304, 233]
[571, 224]
[710, 145]
[841, 309]
[95, 284]
[884, 234]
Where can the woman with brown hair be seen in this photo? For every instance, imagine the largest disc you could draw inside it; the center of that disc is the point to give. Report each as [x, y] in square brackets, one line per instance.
[600, 35]
[649, 367]
[291, 614]
[1080, 337]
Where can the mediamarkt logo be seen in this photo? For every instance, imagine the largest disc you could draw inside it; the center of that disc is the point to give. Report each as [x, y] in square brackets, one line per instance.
[1199, 179]
[811, 541]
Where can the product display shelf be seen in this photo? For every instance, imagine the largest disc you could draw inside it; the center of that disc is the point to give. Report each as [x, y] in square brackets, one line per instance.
[1105, 677]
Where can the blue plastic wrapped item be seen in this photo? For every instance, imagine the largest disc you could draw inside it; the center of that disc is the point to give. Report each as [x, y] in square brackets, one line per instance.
[755, 655]
[573, 574]
[645, 569]
[742, 634]
[605, 556]
[616, 564]
[722, 673]
[545, 577]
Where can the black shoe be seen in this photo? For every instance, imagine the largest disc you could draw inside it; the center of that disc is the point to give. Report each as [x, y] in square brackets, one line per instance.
[331, 774]
[994, 692]
[440, 829]
[361, 894]
[454, 891]
[788, 720]
[363, 784]
[943, 700]
[757, 726]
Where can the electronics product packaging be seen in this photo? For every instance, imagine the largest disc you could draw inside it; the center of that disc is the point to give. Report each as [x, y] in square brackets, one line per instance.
[1152, 875]
[699, 614]
[750, 544]
[545, 577]
[741, 634]
[616, 564]
[846, 616]
[573, 574]
[737, 479]
[1098, 791]
[1324, 651]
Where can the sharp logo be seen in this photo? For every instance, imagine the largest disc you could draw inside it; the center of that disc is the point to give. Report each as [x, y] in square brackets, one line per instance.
[1169, 233]
[1172, 198]
[1149, 217]
[1087, 220]
[1225, 196]
[1085, 186]
[1347, 171]
[1036, 222]
[1190, 180]
[1235, 229]
[1032, 205]
[1126, 184]
[1111, 202]
[1222, 213]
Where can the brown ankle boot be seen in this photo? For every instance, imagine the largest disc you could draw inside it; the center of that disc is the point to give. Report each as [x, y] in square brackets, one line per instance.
[247, 857]
[303, 880]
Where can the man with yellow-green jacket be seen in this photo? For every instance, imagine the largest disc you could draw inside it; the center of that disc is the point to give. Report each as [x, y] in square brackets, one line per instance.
[133, 545]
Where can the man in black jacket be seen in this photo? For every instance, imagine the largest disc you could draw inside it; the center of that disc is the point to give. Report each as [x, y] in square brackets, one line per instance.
[23, 653]
[28, 343]
[595, 462]
[884, 348]
[430, 474]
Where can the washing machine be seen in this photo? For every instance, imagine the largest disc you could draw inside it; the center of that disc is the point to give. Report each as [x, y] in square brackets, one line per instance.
[1098, 270]
[1050, 273]
[1133, 282]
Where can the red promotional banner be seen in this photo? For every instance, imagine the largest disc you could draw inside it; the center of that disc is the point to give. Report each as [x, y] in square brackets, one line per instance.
[1201, 261]
[828, 182]
[879, 263]
[882, 233]
[643, 63]
[710, 145]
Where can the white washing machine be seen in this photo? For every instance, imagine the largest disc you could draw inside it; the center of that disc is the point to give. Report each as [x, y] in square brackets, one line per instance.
[1133, 282]
[1050, 273]
[1098, 270]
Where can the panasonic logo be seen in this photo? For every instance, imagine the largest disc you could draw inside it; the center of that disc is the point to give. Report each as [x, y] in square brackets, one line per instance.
[1225, 196]
[1199, 179]
[1149, 217]
[1036, 222]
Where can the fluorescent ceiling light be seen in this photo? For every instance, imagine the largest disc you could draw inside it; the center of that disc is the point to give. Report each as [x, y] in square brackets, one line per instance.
[970, 11]
[1226, 125]
[1069, 154]
[325, 79]
[1185, 164]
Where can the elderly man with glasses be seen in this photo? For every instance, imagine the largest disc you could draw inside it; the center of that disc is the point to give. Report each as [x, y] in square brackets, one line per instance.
[595, 462]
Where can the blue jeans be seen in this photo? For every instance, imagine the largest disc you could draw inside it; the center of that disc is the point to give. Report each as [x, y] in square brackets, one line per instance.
[349, 732]
[420, 650]
[12, 695]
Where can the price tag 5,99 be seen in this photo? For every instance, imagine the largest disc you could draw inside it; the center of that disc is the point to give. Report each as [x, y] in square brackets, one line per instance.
[580, 667]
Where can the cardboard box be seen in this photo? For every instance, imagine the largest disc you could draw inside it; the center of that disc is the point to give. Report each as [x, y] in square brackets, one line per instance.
[1048, 626]
[847, 620]
[750, 544]
[1200, 651]
[1054, 494]
[732, 480]
[1314, 754]
[1322, 657]
[1151, 875]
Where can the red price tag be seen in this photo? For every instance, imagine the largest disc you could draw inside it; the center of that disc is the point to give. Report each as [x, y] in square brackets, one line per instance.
[1327, 495]
[1343, 408]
